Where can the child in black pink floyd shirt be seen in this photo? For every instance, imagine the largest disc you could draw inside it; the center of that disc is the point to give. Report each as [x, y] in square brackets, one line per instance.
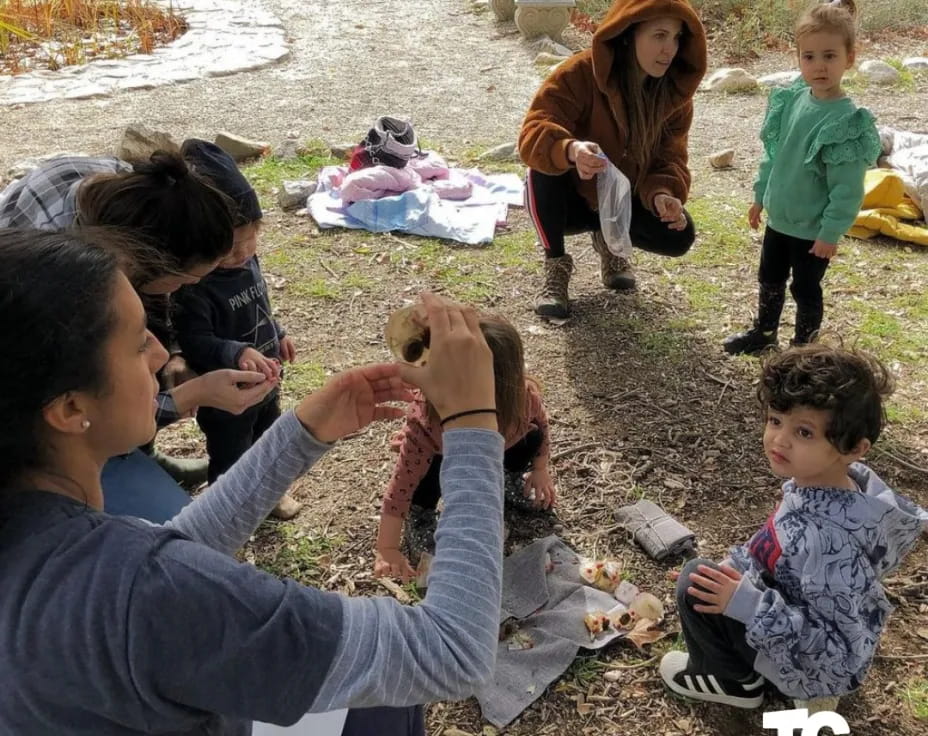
[226, 321]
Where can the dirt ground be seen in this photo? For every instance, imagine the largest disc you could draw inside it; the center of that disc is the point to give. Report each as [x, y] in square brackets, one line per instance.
[643, 402]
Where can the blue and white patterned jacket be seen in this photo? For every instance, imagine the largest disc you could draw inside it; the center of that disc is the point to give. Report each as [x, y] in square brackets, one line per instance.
[811, 596]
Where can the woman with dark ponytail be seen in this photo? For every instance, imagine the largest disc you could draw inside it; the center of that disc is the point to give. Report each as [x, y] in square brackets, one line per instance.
[181, 216]
[114, 626]
[181, 226]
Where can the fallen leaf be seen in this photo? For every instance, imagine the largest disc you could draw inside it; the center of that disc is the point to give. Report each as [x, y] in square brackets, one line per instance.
[645, 632]
[455, 732]
[923, 633]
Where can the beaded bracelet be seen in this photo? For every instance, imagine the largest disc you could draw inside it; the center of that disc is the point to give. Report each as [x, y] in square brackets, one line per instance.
[467, 414]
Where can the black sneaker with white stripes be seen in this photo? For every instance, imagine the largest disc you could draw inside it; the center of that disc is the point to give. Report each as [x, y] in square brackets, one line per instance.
[677, 675]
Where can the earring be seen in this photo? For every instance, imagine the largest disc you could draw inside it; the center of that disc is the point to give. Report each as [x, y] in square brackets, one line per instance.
[85, 424]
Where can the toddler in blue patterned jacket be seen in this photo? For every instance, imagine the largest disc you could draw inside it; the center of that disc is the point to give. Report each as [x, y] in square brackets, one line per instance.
[801, 604]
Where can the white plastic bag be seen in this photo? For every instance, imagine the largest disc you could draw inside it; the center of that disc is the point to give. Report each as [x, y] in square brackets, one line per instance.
[614, 192]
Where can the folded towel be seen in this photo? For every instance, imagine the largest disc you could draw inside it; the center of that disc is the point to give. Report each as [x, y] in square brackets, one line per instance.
[656, 531]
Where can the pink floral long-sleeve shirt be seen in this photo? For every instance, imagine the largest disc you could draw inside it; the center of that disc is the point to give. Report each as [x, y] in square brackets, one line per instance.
[419, 441]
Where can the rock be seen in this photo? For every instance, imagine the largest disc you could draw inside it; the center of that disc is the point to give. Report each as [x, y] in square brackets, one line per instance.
[917, 64]
[547, 59]
[21, 168]
[239, 148]
[502, 152]
[547, 45]
[722, 159]
[503, 9]
[342, 150]
[289, 148]
[778, 79]
[293, 193]
[878, 72]
[140, 142]
[730, 80]
[612, 675]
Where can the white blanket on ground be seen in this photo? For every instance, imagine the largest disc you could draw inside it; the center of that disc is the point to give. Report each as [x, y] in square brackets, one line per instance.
[907, 153]
[421, 211]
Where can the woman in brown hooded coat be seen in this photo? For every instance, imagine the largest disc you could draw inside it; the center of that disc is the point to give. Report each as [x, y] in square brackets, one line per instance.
[630, 97]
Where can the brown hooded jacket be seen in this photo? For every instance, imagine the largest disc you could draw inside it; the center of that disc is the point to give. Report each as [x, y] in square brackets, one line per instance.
[579, 101]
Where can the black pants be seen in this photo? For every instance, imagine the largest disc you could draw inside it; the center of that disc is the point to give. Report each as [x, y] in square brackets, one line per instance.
[557, 209]
[716, 643]
[516, 459]
[385, 722]
[228, 436]
[780, 256]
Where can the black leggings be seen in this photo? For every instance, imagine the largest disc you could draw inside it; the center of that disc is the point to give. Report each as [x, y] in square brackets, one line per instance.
[781, 256]
[228, 436]
[515, 460]
[557, 209]
[385, 722]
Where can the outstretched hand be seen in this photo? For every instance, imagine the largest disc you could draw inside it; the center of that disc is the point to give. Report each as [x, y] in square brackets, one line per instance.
[353, 399]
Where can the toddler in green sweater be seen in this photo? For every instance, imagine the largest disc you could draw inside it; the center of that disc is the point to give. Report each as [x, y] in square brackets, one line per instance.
[817, 148]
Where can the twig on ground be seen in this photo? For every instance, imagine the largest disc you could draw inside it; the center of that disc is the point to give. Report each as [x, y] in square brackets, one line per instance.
[635, 666]
[572, 450]
[395, 590]
[902, 656]
[712, 377]
[329, 270]
[900, 460]
[405, 243]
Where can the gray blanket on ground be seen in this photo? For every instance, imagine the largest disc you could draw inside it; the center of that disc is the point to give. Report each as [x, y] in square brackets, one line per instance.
[549, 608]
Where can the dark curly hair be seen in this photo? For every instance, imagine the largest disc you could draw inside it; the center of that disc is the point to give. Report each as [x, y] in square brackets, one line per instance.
[849, 384]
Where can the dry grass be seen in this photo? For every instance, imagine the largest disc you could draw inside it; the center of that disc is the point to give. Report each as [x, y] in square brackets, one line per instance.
[51, 34]
[745, 28]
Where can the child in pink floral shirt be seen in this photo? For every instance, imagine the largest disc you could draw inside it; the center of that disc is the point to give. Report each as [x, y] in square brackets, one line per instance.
[414, 490]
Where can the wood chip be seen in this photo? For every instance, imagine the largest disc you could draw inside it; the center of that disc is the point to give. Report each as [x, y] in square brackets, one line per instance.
[395, 590]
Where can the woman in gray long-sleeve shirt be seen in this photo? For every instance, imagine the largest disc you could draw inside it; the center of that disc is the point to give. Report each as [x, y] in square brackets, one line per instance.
[113, 626]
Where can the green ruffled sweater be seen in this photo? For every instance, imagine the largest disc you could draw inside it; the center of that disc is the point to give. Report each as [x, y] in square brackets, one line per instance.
[816, 152]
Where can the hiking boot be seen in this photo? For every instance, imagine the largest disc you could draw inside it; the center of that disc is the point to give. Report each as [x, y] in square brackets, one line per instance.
[679, 678]
[750, 342]
[189, 472]
[419, 532]
[616, 271]
[286, 508]
[553, 300]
